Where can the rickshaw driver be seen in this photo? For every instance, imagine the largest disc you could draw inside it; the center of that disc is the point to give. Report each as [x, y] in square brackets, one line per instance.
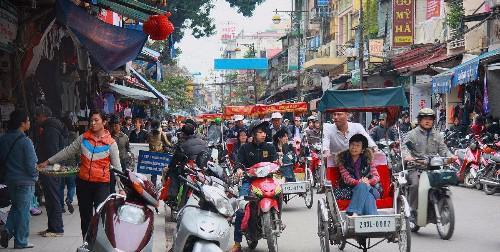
[250, 154]
[420, 142]
[336, 138]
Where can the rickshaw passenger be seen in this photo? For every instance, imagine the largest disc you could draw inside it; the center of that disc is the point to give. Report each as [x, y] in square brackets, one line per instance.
[360, 180]
[286, 155]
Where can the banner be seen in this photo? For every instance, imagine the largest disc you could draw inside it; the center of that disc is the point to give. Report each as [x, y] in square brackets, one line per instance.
[299, 107]
[238, 110]
[376, 49]
[403, 22]
[433, 9]
[153, 162]
[209, 116]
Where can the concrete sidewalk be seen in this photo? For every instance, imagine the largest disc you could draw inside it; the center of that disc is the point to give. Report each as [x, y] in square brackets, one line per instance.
[72, 238]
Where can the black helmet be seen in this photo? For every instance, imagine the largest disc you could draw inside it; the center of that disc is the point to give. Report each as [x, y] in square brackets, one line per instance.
[426, 112]
[258, 124]
[359, 138]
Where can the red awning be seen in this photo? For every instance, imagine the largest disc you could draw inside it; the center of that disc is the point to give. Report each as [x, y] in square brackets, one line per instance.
[419, 58]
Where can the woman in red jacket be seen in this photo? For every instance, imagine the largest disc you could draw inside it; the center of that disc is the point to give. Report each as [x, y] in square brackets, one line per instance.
[98, 150]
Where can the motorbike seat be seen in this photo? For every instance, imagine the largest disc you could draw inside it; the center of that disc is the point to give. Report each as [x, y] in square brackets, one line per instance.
[460, 154]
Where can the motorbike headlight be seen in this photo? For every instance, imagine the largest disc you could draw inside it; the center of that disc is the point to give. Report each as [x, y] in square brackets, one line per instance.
[218, 199]
[131, 214]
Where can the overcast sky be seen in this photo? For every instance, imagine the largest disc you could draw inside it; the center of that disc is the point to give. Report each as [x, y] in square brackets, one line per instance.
[198, 54]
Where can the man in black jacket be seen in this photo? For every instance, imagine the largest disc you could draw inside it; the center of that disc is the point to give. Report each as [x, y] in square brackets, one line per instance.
[53, 137]
[276, 125]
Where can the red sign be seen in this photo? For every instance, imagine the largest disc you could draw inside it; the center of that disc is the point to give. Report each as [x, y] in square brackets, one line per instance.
[403, 22]
[433, 9]
[261, 109]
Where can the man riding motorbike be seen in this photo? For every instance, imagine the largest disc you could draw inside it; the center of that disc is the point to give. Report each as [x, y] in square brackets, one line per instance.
[419, 143]
[250, 154]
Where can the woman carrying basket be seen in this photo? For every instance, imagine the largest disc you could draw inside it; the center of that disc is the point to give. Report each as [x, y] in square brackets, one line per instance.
[97, 150]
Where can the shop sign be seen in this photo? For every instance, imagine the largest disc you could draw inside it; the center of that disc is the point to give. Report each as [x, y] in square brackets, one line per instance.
[8, 24]
[153, 162]
[228, 32]
[403, 22]
[466, 73]
[433, 9]
[420, 97]
[376, 47]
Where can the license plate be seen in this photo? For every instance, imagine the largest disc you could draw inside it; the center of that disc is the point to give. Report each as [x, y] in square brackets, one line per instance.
[294, 187]
[375, 224]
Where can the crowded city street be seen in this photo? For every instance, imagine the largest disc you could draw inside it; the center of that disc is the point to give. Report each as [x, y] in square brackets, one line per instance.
[249, 125]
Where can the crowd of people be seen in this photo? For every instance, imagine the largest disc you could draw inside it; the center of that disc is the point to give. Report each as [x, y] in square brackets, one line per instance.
[106, 142]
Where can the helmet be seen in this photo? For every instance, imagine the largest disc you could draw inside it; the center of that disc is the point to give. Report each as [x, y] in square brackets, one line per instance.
[164, 123]
[258, 124]
[312, 118]
[218, 120]
[426, 112]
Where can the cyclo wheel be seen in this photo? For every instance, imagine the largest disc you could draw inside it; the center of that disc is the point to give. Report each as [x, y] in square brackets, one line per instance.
[269, 224]
[446, 226]
[324, 234]
[309, 195]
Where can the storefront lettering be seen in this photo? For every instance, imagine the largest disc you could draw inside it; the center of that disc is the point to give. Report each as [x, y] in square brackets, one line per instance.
[403, 22]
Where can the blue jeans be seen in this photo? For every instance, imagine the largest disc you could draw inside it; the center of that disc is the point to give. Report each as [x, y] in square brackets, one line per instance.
[18, 220]
[243, 191]
[287, 172]
[70, 182]
[363, 200]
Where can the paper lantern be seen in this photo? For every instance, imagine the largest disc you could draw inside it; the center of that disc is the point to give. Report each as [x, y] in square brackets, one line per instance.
[158, 27]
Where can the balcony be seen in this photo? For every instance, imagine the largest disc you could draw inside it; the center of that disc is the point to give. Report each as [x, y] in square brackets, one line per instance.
[328, 57]
[319, 14]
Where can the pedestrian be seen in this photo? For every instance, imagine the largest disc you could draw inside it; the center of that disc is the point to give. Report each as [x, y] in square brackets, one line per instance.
[295, 129]
[383, 131]
[286, 155]
[241, 140]
[19, 161]
[127, 128]
[276, 125]
[69, 182]
[405, 125]
[158, 142]
[97, 150]
[123, 148]
[53, 137]
[138, 135]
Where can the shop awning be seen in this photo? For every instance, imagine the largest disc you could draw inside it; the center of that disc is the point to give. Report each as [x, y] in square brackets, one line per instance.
[149, 86]
[150, 53]
[465, 72]
[441, 83]
[419, 58]
[325, 63]
[133, 93]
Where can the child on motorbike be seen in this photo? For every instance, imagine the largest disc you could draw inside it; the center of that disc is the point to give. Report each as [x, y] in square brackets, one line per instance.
[360, 180]
[286, 155]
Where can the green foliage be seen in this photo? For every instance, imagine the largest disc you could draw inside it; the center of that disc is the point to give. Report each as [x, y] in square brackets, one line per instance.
[176, 87]
[455, 14]
[370, 22]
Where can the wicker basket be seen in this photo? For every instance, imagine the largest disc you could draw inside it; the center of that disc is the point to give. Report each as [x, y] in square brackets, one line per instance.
[64, 171]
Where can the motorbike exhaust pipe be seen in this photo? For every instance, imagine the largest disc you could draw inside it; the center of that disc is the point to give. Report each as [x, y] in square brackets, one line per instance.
[489, 182]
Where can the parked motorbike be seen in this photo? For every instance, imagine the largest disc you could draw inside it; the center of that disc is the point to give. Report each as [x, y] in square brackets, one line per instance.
[471, 164]
[490, 178]
[434, 197]
[456, 139]
[262, 218]
[204, 222]
[124, 223]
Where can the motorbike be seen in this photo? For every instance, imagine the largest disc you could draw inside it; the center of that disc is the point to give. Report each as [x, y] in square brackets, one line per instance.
[434, 197]
[124, 222]
[204, 222]
[456, 139]
[471, 163]
[314, 163]
[490, 179]
[392, 152]
[262, 209]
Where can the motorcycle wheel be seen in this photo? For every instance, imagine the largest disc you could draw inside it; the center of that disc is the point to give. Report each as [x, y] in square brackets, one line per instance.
[269, 227]
[489, 190]
[446, 226]
[323, 233]
[309, 195]
[469, 180]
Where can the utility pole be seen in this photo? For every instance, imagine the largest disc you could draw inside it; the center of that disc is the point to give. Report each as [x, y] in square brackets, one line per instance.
[361, 44]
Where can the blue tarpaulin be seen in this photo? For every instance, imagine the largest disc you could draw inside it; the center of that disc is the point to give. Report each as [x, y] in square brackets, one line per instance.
[241, 64]
[111, 46]
[461, 74]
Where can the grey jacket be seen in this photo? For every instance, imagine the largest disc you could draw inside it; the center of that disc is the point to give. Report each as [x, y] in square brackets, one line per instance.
[419, 143]
[378, 133]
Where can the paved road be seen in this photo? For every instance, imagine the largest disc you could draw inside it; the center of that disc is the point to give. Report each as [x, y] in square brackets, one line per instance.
[477, 227]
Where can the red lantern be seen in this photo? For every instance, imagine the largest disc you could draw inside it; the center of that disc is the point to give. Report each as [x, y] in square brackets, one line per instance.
[158, 27]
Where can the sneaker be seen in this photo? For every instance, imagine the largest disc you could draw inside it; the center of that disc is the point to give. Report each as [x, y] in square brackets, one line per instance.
[4, 238]
[42, 233]
[50, 234]
[29, 245]
[35, 211]
[236, 248]
[71, 209]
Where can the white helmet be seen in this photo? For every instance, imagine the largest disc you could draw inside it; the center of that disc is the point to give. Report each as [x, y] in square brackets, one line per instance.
[164, 123]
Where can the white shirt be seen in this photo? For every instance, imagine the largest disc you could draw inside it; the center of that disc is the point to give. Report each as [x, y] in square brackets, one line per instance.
[334, 141]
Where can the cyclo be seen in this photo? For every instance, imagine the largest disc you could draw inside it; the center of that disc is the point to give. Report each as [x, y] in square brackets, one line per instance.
[303, 186]
[391, 224]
